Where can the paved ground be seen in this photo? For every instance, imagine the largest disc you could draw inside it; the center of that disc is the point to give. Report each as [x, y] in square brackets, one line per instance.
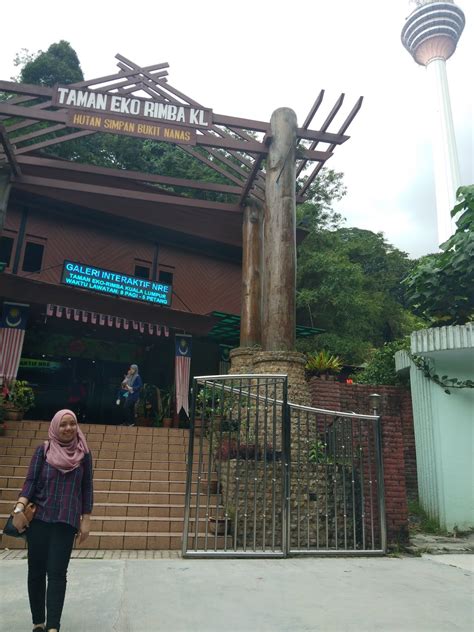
[179, 595]
[441, 544]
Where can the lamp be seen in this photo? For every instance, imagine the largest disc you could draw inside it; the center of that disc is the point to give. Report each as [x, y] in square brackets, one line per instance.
[374, 399]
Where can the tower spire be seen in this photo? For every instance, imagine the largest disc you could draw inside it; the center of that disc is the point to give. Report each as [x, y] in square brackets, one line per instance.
[430, 34]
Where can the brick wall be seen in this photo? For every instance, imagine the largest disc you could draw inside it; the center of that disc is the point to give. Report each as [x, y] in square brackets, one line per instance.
[397, 437]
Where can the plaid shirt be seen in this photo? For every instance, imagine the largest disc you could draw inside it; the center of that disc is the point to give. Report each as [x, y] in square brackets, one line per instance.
[59, 497]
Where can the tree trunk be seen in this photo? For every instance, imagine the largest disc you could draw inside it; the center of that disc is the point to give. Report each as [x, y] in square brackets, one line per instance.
[279, 242]
[251, 319]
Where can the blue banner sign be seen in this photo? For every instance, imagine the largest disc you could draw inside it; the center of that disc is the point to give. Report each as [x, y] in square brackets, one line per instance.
[89, 277]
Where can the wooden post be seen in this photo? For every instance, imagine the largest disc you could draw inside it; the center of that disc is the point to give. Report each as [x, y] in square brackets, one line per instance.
[5, 186]
[250, 321]
[279, 240]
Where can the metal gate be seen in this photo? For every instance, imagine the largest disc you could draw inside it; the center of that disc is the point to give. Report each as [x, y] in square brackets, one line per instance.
[269, 478]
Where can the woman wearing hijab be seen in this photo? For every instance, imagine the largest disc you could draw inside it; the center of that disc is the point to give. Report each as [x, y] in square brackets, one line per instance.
[59, 482]
[131, 385]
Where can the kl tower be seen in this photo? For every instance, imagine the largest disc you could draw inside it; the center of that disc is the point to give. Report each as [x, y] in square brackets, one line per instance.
[430, 35]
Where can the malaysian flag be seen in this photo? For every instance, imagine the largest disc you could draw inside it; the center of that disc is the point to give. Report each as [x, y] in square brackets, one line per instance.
[12, 333]
[183, 346]
[224, 359]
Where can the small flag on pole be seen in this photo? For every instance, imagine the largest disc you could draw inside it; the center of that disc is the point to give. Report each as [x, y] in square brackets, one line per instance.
[12, 334]
[183, 346]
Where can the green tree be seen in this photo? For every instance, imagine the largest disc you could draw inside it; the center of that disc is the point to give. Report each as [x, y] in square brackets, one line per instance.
[349, 284]
[317, 212]
[59, 64]
[380, 368]
[441, 287]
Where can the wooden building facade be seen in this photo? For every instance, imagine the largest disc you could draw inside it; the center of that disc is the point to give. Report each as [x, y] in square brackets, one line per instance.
[192, 250]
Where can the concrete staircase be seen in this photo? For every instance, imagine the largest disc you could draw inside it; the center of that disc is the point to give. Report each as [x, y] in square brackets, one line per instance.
[139, 484]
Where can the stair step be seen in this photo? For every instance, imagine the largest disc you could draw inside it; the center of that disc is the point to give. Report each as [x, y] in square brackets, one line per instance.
[138, 510]
[21, 461]
[105, 496]
[110, 473]
[131, 540]
[122, 485]
[25, 447]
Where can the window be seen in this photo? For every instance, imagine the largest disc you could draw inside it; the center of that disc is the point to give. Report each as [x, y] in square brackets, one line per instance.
[142, 272]
[6, 248]
[165, 277]
[33, 257]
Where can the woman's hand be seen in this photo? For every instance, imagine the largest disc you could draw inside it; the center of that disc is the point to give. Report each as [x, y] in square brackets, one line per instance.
[20, 522]
[84, 528]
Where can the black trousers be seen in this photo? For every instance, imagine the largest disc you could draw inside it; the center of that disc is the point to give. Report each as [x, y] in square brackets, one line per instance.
[129, 412]
[49, 551]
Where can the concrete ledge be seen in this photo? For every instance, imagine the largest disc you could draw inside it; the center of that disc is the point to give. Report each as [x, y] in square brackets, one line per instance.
[443, 338]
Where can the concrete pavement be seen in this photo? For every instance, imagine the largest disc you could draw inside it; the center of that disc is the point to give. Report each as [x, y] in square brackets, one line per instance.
[297, 594]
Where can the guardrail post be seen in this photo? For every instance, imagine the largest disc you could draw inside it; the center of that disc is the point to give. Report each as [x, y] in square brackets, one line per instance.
[375, 399]
[286, 454]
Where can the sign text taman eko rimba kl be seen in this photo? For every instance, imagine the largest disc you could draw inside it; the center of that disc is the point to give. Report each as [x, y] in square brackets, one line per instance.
[131, 106]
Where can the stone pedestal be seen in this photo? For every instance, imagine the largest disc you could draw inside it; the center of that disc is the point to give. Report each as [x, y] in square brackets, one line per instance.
[241, 360]
[291, 363]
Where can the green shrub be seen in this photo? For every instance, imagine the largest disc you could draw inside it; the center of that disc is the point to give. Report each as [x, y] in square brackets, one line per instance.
[380, 369]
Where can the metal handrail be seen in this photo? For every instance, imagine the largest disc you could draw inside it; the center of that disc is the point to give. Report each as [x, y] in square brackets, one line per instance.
[209, 378]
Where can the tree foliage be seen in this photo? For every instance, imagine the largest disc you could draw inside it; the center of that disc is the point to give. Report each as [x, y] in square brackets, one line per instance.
[380, 368]
[349, 284]
[317, 212]
[59, 64]
[441, 287]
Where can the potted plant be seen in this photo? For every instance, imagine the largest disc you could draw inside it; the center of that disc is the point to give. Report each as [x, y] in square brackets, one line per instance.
[208, 403]
[2, 415]
[323, 365]
[166, 401]
[219, 526]
[148, 405]
[20, 398]
[208, 407]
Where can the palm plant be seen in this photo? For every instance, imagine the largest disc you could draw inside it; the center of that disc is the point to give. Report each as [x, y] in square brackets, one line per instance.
[323, 363]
